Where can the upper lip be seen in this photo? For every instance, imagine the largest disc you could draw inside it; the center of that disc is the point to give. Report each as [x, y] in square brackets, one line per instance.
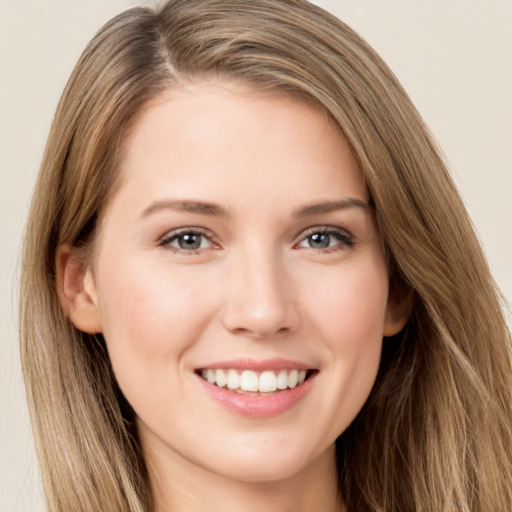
[257, 365]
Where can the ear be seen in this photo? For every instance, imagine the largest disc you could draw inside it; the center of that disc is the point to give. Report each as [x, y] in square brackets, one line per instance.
[76, 290]
[398, 311]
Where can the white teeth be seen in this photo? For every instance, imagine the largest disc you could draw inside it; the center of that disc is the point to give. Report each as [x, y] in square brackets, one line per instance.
[293, 378]
[266, 382]
[282, 379]
[249, 381]
[233, 379]
[220, 378]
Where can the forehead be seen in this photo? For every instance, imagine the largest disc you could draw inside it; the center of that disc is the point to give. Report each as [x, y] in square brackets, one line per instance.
[229, 142]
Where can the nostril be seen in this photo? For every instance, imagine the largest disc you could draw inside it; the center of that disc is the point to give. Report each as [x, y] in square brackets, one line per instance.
[244, 320]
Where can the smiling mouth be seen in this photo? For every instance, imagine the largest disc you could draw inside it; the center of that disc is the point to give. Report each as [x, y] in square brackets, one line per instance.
[252, 382]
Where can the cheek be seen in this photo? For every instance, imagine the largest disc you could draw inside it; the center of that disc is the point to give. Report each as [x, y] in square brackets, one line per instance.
[348, 305]
[348, 316]
[151, 314]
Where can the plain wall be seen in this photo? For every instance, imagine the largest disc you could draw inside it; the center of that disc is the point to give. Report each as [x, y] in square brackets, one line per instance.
[453, 57]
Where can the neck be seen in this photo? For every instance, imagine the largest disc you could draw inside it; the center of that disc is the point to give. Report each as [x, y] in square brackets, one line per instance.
[178, 484]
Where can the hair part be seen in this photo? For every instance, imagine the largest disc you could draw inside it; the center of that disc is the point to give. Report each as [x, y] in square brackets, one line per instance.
[423, 440]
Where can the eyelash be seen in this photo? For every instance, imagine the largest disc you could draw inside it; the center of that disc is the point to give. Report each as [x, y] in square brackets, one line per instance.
[176, 235]
[344, 238]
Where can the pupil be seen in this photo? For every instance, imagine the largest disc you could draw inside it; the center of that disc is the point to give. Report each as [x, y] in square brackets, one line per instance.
[190, 241]
[319, 240]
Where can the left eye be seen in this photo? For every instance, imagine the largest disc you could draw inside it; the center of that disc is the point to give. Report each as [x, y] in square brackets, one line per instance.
[187, 241]
[325, 239]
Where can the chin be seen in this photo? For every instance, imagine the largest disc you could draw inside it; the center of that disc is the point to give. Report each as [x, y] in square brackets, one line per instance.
[266, 466]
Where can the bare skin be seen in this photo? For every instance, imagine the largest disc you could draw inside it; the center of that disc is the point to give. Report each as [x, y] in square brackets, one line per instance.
[315, 489]
[241, 234]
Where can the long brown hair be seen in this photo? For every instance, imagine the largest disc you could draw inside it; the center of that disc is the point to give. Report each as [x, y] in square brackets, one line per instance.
[435, 433]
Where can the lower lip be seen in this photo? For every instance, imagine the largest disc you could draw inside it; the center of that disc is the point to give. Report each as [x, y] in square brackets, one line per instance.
[258, 406]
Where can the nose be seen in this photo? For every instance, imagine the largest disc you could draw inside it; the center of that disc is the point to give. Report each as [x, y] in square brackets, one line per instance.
[259, 297]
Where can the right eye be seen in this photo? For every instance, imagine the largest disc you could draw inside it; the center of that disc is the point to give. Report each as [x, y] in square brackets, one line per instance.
[186, 241]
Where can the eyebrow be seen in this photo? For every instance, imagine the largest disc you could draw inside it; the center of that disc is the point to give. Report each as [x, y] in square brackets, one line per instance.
[188, 206]
[330, 206]
[215, 210]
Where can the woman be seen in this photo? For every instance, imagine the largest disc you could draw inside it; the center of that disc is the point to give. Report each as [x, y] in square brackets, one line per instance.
[249, 281]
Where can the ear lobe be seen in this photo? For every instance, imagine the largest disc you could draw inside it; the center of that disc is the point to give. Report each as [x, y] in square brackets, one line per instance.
[398, 311]
[77, 291]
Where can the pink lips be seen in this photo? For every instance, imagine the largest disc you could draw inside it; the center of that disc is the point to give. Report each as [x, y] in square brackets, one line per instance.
[257, 405]
[258, 366]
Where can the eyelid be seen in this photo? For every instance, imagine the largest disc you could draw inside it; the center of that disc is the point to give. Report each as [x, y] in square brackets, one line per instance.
[346, 238]
[169, 236]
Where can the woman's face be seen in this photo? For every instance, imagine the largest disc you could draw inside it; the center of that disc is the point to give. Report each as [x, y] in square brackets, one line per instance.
[239, 257]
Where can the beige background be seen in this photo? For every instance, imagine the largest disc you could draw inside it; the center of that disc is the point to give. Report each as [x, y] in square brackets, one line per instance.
[454, 57]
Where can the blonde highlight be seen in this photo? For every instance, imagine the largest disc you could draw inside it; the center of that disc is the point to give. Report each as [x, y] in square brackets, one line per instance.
[440, 378]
